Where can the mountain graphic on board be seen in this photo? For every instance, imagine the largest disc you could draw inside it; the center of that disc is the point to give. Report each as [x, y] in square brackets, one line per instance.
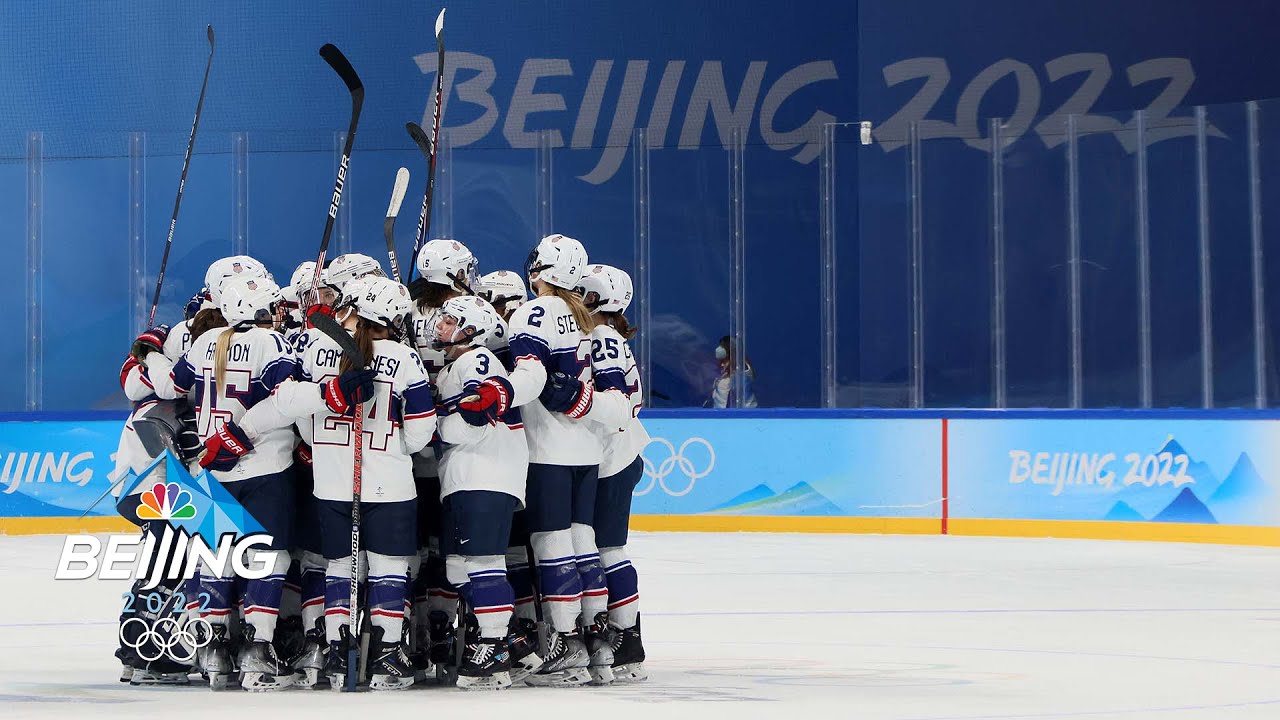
[759, 492]
[1121, 511]
[1206, 480]
[1242, 482]
[1186, 508]
[799, 499]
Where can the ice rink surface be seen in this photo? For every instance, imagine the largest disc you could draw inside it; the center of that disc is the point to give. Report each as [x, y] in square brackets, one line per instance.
[786, 627]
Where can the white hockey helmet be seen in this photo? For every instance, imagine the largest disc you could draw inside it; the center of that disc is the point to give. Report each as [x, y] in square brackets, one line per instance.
[249, 300]
[611, 286]
[381, 300]
[503, 286]
[447, 262]
[475, 313]
[559, 260]
[300, 282]
[230, 267]
[346, 268]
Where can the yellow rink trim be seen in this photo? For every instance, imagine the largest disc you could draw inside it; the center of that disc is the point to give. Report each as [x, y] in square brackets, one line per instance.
[1105, 530]
[64, 525]
[792, 524]
[1081, 529]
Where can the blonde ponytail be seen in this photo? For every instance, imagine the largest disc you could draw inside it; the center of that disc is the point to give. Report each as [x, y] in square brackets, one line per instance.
[581, 314]
[220, 351]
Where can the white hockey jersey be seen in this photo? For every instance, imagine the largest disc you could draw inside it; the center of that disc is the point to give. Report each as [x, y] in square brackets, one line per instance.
[398, 422]
[258, 360]
[618, 393]
[493, 457]
[545, 339]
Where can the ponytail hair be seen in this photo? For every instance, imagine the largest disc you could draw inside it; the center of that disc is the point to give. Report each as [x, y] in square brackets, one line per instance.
[206, 320]
[619, 322]
[220, 348]
[364, 340]
[581, 314]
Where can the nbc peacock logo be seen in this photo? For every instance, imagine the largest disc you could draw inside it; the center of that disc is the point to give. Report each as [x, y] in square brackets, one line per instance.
[166, 502]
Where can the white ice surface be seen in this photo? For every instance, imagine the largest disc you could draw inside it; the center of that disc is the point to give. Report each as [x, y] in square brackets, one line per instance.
[788, 627]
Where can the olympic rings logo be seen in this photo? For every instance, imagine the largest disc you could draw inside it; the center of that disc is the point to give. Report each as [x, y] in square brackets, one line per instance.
[657, 472]
[166, 635]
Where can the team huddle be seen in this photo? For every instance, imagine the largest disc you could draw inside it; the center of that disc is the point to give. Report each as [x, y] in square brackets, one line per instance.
[494, 442]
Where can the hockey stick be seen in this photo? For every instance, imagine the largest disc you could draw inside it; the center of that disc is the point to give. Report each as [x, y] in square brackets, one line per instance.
[182, 182]
[340, 65]
[330, 327]
[389, 225]
[429, 146]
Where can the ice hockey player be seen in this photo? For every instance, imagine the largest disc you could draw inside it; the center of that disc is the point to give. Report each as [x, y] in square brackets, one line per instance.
[399, 420]
[551, 383]
[226, 372]
[482, 478]
[446, 269]
[606, 291]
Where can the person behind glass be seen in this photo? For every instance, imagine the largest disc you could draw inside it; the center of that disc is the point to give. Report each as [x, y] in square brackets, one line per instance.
[482, 482]
[226, 372]
[551, 383]
[607, 293]
[724, 393]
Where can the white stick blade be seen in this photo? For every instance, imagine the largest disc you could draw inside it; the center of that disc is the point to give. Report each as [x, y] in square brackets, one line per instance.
[397, 192]
[440, 22]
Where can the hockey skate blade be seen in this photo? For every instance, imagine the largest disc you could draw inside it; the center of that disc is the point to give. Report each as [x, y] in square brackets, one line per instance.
[600, 675]
[146, 677]
[262, 682]
[573, 677]
[309, 678]
[390, 682]
[525, 667]
[218, 681]
[338, 683]
[631, 672]
[498, 681]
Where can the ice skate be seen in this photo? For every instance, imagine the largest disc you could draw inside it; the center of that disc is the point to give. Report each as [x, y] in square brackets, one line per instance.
[486, 663]
[522, 643]
[628, 654]
[335, 666]
[215, 659]
[564, 661]
[442, 647]
[389, 666]
[308, 665]
[262, 670]
[598, 637]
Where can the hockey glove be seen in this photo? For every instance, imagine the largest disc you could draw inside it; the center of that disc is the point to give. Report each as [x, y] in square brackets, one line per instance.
[150, 341]
[566, 394]
[492, 398]
[189, 445]
[223, 449]
[322, 309]
[302, 453]
[348, 390]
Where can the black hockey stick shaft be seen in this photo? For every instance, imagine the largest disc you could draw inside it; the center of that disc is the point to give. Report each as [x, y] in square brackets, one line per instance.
[430, 149]
[182, 182]
[342, 66]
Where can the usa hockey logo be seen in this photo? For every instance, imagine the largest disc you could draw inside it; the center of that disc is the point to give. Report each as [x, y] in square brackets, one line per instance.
[166, 502]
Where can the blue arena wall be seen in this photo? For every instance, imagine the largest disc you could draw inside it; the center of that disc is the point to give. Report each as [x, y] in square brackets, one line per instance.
[1193, 476]
[585, 75]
